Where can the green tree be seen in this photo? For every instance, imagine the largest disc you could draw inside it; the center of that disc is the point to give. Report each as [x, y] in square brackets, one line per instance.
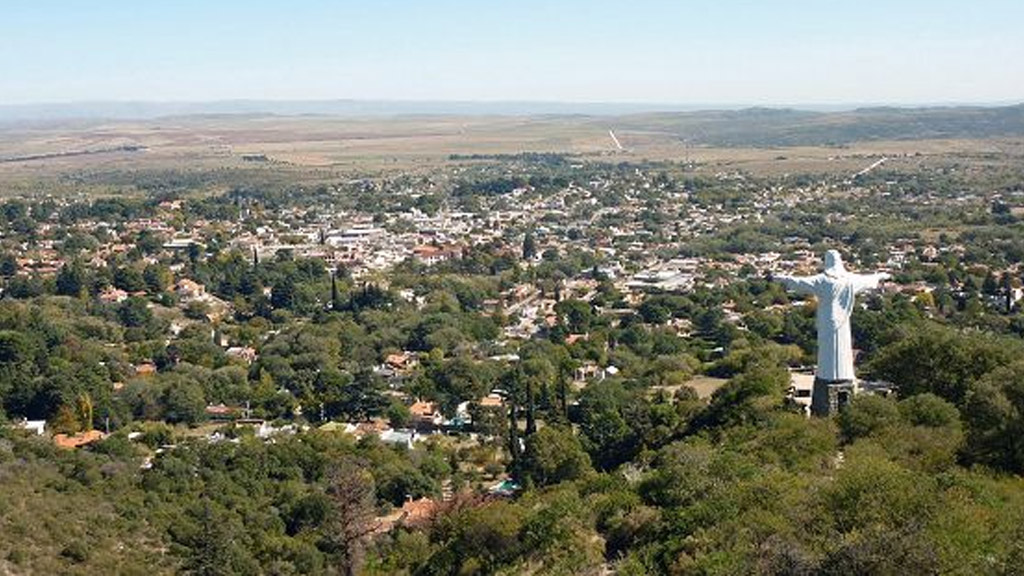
[930, 358]
[213, 540]
[283, 294]
[129, 279]
[184, 400]
[157, 278]
[364, 397]
[994, 415]
[554, 455]
[608, 436]
[398, 414]
[529, 246]
[335, 294]
[868, 414]
[71, 280]
[577, 315]
[747, 397]
[14, 348]
[65, 421]
[8, 265]
[458, 380]
[134, 313]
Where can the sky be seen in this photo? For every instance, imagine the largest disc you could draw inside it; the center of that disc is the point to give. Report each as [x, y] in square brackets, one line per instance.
[767, 52]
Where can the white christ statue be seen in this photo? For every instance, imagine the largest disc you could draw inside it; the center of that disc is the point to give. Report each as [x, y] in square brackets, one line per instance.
[835, 289]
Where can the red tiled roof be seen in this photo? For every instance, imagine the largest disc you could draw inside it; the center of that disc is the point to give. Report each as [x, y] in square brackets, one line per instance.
[423, 409]
[416, 512]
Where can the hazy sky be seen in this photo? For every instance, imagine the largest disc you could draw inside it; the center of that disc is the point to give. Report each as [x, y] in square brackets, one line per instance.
[681, 51]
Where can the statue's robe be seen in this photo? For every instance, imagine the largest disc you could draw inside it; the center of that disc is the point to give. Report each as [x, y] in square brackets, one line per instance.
[836, 292]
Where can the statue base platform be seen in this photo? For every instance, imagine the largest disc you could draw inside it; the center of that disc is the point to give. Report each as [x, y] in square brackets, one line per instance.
[830, 396]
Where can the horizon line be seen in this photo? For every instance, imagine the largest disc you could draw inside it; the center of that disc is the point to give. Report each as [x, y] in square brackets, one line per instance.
[140, 109]
[383, 100]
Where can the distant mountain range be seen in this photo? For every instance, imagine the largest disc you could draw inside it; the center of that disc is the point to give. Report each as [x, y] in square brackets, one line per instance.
[786, 127]
[701, 125]
[142, 110]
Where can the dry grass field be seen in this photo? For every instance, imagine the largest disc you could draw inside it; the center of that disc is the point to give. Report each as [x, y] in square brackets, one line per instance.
[705, 386]
[65, 157]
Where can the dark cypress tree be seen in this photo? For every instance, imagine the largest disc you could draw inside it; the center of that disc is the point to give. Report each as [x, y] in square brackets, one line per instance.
[529, 246]
[1007, 291]
[531, 421]
[514, 449]
[335, 296]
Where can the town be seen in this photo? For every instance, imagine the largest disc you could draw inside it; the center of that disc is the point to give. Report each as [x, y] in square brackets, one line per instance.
[511, 288]
[465, 311]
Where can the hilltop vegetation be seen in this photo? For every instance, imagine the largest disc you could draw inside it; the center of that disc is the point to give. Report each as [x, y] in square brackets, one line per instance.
[738, 484]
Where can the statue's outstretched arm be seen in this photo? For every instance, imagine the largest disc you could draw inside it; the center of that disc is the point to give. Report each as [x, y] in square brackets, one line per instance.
[869, 281]
[800, 284]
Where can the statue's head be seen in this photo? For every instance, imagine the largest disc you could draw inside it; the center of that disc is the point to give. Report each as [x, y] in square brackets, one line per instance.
[834, 263]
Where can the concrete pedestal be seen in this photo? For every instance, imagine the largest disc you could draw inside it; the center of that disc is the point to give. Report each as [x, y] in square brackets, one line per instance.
[830, 396]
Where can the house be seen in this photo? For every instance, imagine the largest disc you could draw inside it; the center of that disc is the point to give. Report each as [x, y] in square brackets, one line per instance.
[264, 429]
[189, 289]
[72, 441]
[36, 426]
[375, 426]
[574, 338]
[182, 243]
[418, 512]
[492, 401]
[222, 411]
[462, 418]
[425, 414]
[801, 384]
[113, 295]
[413, 513]
[398, 437]
[244, 353]
[430, 254]
[145, 369]
[401, 361]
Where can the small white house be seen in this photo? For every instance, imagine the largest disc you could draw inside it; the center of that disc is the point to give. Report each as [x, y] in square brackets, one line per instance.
[37, 426]
[399, 437]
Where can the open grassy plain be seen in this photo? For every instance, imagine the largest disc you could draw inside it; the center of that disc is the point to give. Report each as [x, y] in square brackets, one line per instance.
[96, 157]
